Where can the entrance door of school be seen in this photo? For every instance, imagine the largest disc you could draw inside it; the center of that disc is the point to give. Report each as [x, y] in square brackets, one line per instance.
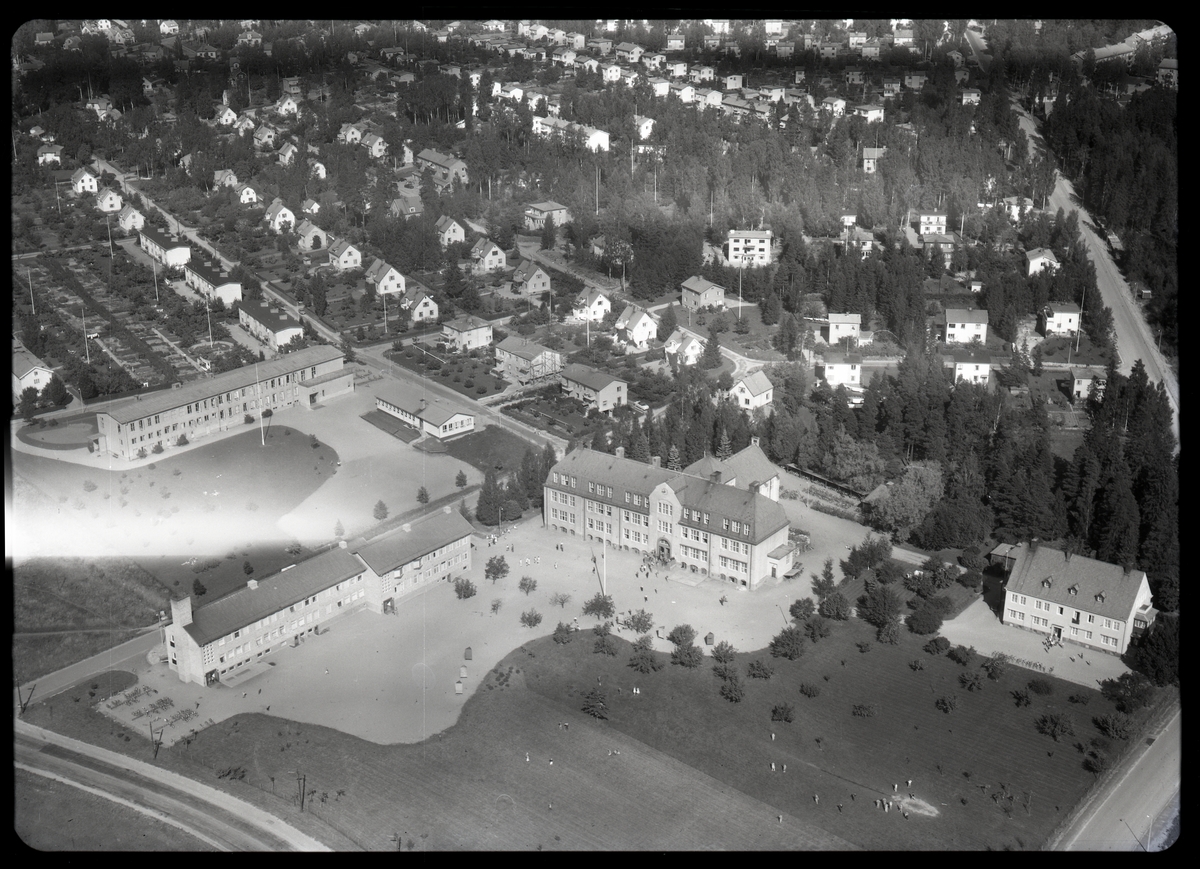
[1057, 632]
[664, 549]
[312, 398]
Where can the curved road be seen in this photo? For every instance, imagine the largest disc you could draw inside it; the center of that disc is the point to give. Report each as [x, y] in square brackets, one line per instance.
[215, 817]
[1127, 816]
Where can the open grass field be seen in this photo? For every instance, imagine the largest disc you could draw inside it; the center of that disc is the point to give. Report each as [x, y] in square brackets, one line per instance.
[49, 815]
[490, 448]
[35, 655]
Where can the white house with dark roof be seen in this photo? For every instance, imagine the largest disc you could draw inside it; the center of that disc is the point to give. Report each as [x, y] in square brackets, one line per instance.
[445, 168]
[48, 154]
[28, 370]
[1041, 259]
[130, 219]
[700, 522]
[683, 348]
[269, 324]
[419, 303]
[84, 181]
[1060, 318]
[841, 326]
[752, 391]
[636, 328]
[466, 333]
[750, 247]
[279, 217]
[225, 178]
[246, 194]
[968, 366]
[375, 145]
[310, 206]
[168, 250]
[431, 415]
[210, 280]
[387, 280]
[700, 293]
[592, 305]
[536, 214]
[931, 222]
[520, 360]
[449, 231]
[311, 237]
[487, 257]
[529, 277]
[839, 369]
[1077, 599]
[344, 256]
[594, 388]
[287, 154]
[964, 325]
[264, 137]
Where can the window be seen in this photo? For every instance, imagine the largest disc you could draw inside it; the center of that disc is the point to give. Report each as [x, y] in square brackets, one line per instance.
[1023, 600]
[1014, 597]
[1091, 620]
[591, 488]
[627, 499]
[725, 524]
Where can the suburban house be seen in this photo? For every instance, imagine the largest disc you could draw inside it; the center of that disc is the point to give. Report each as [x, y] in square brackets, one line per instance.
[707, 526]
[675, 42]
[467, 333]
[932, 222]
[869, 113]
[600, 45]
[964, 325]
[973, 367]
[752, 391]
[683, 348]
[970, 96]
[211, 281]
[168, 250]
[840, 369]
[83, 181]
[1077, 599]
[287, 105]
[528, 277]
[871, 157]
[594, 388]
[588, 137]
[375, 145]
[1168, 72]
[351, 134]
[264, 137]
[1081, 380]
[915, 79]
[592, 305]
[1060, 318]
[310, 206]
[279, 217]
[836, 105]
[1041, 259]
[419, 303]
[344, 256]
[287, 154]
[520, 360]
[28, 371]
[407, 205]
[225, 178]
[628, 52]
[1016, 206]
[310, 236]
[246, 194]
[891, 87]
[267, 323]
[449, 231]
[130, 219]
[438, 417]
[842, 326]
[701, 293]
[685, 93]
[445, 168]
[49, 154]
[750, 247]
[536, 214]
[487, 256]
[386, 279]
[636, 328]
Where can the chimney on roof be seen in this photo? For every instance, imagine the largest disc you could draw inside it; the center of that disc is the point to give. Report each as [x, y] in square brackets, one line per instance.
[252, 584]
[754, 441]
[620, 452]
[181, 611]
[407, 526]
[754, 487]
[446, 509]
[716, 477]
[656, 461]
[422, 404]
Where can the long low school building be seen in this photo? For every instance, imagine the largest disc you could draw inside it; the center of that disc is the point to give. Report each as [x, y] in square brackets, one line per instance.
[215, 404]
[229, 638]
[408, 404]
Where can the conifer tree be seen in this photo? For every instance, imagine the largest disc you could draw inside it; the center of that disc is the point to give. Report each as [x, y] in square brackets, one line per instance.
[725, 448]
[668, 323]
[491, 499]
[711, 358]
[673, 459]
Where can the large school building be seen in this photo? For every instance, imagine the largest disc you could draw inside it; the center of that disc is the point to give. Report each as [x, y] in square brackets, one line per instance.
[221, 402]
[710, 524]
[228, 639]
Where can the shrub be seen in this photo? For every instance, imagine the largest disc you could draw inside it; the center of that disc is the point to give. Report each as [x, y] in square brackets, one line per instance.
[247, 568]
[682, 635]
[641, 622]
[760, 669]
[864, 710]
[141, 454]
[817, 628]
[881, 606]
[972, 579]
[595, 704]
[531, 618]
[687, 656]
[464, 588]
[1116, 725]
[808, 689]
[971, 681]
[889, 633]
[601, 606]
[783, 712]
[1041, 686]
[723, 652]
[1097, 762]
[496, 604]
[605, 645]
[480, 390]
[972, 559]
[732, 689]
[788, 643]
[643, 659]
[527, 584]
[157, 448]
[381, 511]
[802, 609]
[1055, 724]
[863, 648]
[835, 606]
[1021, 697]
[961, 655]
[1080, 698]
[916, 664]
[947, 703]
[996, 666]
[937, 646]
[925, 620]
[182, 441]
[1130, 692]
[563, 633]
[468, 383]
[724, 671]
[198, 588]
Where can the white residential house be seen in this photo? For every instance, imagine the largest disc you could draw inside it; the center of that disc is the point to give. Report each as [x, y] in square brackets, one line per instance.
[83, 181]
[520, 360]
[835, 105]
[700, 72]
[684, 92]
[700, 293]
[316, 169]
[752, 391]
[449, 231]
[1016, 206]
[246, 194]
[592, 305]
[109, 201]
[168, 27]
[1041, 259]
[386, 279]
[628, 52]
[636, 328]
[287, 105]
[445, 168]
[226, 117]
[840, 369]
[660, 86]
[287, 154]
[682, 348]
[1060, 318]
[733, 82]
[529, 277]
[344, 256]
[487, 257]
[130, 219]
[594, 388]
[915, 79]
[750, 247]
[351, 134]
[211, 281]
[932, 222]
[969, 366]
[964, 325]
[675, 68]
[644, 125]
[1081, 380]
[310, 206]
[842, 326]
[311, 237]
[420, 305]
[871, 158]
[28, 371]
[870, 113]
[463, 334]
[536, 214]
[168, 250]
[970, 96]
[264, 137]
[279, 217]
[48, 154]
[675, 42]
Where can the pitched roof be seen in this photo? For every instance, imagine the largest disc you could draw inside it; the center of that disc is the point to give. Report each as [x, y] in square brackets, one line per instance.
[410, 397]
[1089, 577]
[967, 315]
[757, 382]
[466, 324]
[751, 465]
[427, 534]
[730, 502]
[23, 361]
[445, 222]
[522, 347]
[377, 270]
[1039, 252]
[247, 605]
[589, 376]
[526, 270]
[698, 284]
[339, 247]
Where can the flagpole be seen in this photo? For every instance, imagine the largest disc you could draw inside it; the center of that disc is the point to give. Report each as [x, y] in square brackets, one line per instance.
[258, 393]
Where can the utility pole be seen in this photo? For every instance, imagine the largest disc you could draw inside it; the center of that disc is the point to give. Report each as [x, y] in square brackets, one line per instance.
[154, 264]
[86, 347]
[33, 304]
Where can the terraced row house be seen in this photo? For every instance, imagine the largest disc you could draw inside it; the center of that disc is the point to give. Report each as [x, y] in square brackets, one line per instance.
[705, 518]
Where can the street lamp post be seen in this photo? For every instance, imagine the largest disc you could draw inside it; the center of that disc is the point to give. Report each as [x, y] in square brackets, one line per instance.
[782, 613]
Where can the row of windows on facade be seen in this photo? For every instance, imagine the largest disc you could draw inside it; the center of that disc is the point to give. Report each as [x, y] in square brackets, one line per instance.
[191, 423]
[244, 649]
[1111, 624]
[1019, 616]
[665, 508]
[218, 400]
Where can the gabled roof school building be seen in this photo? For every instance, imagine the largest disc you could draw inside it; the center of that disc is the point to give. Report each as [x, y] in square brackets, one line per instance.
[408, 403]
[223, 401]
[229, 637]
[700, 522]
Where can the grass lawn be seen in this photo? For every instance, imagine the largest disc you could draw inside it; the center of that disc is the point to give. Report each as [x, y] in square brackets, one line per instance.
[986, 741]
[456, 373]
[493, 448]
[35, 655]
[51, 816]
[549, 415]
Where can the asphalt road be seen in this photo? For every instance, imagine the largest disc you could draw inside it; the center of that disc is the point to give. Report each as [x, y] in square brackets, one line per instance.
[111, 659]
[1131, 812]
[215, 817]
[1134, 338]
[978, 47]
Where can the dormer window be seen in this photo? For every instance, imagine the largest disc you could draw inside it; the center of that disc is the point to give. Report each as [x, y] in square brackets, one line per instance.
[1073, 589]
[1100, 597]
[1046, 582]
